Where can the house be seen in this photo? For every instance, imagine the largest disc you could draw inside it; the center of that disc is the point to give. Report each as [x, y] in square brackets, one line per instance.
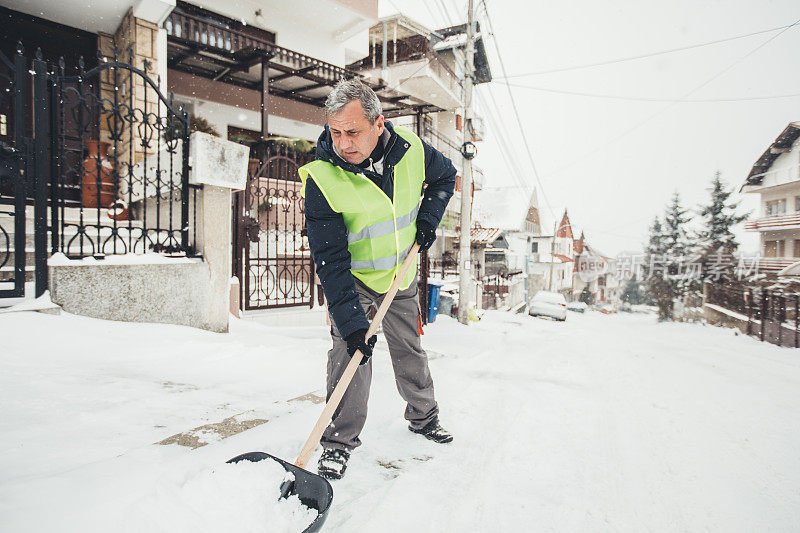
[552, 259]
[147, 71]
[518, 218]
[775, 177]
[594, 271]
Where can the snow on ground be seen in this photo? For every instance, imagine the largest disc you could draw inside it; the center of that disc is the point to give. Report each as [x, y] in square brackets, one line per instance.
[601, 423]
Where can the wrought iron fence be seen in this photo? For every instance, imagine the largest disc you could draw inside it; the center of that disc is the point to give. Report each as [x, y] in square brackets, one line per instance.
[275, 261]
[120, 152]
[773, 315]
[15, 151]
[496, 288]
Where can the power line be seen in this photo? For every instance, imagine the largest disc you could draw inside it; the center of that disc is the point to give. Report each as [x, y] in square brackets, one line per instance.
[516, 112]
[671, 104]
[652, 54]
[504, 145]
[648, 99]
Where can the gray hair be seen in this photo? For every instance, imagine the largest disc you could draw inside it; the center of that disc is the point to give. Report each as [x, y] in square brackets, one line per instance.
[348, 90]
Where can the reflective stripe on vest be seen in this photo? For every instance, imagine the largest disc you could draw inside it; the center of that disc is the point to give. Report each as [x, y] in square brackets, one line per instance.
[382, 263]
[387, 227]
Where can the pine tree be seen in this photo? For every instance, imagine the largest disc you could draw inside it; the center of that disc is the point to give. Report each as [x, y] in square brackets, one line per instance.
[719, 217]
[683, 257]
[716, 240]
[632, 293]
[658, 288]
[676, 236]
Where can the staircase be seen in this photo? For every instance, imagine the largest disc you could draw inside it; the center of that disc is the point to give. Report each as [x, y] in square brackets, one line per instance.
[72, 215]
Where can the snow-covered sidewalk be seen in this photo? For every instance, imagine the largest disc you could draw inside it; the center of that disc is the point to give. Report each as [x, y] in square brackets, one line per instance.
[601, 423]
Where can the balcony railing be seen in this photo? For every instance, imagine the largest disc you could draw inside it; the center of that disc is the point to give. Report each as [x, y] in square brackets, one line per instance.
[442, 143]
[774, 264]
[774, 222]
[196, 30]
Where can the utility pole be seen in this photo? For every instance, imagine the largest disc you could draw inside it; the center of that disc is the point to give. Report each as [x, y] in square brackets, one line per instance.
[464, 249]
[552, 255]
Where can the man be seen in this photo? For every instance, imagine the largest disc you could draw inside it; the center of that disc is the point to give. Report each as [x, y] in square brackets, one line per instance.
[363, 214]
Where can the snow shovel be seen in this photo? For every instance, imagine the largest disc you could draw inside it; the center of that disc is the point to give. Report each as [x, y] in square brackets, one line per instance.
[314, 490]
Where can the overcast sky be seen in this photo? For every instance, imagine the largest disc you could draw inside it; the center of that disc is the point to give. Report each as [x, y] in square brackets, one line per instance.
[613, 182]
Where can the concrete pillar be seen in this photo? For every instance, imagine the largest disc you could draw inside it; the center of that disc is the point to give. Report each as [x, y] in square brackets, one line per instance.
[214, 220]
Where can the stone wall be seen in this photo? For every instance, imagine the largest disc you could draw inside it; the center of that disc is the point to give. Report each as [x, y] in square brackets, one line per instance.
[136, 43]
[173, 293]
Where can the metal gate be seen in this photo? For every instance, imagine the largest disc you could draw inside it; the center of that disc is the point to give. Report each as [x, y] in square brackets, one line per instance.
[23, 174]
[272, 258]
[97, 162]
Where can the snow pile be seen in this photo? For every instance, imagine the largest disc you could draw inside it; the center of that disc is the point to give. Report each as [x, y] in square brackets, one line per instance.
[229, 497]
[149, 258]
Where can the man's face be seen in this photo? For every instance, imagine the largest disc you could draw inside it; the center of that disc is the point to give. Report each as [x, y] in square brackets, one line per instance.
[354, 137]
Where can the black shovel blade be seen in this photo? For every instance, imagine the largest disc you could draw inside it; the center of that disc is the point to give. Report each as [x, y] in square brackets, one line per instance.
[313, 490]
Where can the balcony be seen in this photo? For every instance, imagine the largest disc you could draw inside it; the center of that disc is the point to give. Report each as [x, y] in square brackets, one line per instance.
[213, 47]
[775, 264]
[411, 62]
[774, 222]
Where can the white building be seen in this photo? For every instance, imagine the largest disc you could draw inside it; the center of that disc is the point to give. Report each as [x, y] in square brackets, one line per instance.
[775, 177]
[518, 218]
[553, 258]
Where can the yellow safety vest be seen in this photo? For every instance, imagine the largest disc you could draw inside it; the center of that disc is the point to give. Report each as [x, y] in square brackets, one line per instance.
[380, 231]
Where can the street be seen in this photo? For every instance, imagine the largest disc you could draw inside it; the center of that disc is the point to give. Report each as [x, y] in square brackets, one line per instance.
[600, 423]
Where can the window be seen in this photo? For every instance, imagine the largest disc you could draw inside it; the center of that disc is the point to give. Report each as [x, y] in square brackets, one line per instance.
[776, 207]
[797, 203]
[534, 247]
[3, 125]
[796, 248]
[774, 248]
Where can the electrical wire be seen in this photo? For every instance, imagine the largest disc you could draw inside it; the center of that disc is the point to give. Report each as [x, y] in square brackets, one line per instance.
[651, 54]
[647, 99]
[516, 112]
[671, 104]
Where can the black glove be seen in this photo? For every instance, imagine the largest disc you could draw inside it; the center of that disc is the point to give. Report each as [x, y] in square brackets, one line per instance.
[426, 235]
[355, 341]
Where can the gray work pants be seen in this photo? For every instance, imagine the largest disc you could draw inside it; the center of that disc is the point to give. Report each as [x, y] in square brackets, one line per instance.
[410, 362]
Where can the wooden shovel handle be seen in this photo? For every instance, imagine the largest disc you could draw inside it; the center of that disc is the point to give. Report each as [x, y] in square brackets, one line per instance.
[344, 382]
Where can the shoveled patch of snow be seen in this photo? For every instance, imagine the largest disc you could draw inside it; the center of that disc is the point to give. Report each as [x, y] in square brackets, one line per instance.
[228, 497]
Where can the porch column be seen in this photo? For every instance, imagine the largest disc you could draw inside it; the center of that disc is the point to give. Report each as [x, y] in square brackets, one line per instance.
[265, 95]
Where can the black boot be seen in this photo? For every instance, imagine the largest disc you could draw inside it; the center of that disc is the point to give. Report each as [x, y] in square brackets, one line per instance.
[333, 463]
[434, 431]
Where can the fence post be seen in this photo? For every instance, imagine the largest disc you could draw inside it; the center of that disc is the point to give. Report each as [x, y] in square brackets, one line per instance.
[763, 310]
[778, 316]
[796, 321]
[185, 188]
[748, 304]
[41, 180]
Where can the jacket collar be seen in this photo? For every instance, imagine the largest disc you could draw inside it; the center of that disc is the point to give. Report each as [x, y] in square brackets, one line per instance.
[394, 150]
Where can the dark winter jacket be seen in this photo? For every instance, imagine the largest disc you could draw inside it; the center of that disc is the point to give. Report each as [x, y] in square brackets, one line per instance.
[327, 233]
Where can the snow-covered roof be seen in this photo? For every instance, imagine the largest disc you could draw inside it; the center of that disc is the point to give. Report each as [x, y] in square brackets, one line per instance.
[784, 141]
[484, 235]
[501, 208]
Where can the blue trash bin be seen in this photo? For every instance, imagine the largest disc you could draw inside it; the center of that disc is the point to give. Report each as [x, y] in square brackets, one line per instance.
[434, 289]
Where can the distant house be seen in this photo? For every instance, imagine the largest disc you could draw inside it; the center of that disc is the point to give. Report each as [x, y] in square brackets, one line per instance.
[518, 218]
[552, 258]
[775, 177]
[595, 271]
